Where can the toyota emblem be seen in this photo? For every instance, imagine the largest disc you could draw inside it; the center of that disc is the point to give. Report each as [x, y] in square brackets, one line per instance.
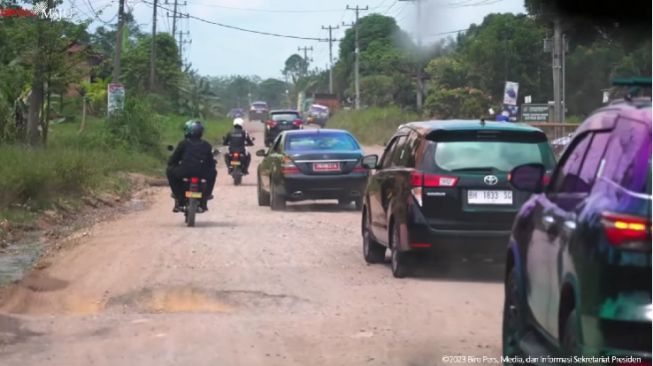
[491, 180]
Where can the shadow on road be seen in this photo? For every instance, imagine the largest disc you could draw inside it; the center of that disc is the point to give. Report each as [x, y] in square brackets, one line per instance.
[319, 207]
[457, 270]
[201, 224]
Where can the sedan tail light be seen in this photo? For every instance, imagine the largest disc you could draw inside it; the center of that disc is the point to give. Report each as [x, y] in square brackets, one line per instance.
[420, 180]
[288, 167]
[625, 231]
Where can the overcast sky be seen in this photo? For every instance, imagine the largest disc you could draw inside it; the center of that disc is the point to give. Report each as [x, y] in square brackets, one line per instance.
[219, 51]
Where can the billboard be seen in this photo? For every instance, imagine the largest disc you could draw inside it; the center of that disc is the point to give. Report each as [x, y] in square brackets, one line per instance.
[115, 97]
[535, 112]
[510, 93]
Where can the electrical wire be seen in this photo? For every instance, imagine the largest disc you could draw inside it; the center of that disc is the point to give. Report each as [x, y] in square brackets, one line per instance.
[273, 10]
[239, 28]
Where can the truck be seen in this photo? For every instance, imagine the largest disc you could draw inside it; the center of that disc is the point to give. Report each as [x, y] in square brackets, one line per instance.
[329, 100]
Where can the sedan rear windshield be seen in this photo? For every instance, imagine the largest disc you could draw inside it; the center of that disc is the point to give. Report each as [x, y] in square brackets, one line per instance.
[496, 155]
[285, 116]
[321, 141]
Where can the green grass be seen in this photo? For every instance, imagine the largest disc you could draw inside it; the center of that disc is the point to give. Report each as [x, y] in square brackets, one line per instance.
[373, 125]
[74, 164]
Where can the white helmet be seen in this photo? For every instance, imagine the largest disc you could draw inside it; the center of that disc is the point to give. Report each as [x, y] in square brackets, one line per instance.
[238, 122]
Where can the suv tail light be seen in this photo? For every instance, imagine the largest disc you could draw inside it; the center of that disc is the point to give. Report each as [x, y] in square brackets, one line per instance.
[297, 122]
[625, 231]
[420, 180]
[271, 123]
[288, 167]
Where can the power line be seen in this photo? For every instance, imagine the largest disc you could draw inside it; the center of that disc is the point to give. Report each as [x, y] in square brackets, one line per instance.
[241, 29]
[275, 10]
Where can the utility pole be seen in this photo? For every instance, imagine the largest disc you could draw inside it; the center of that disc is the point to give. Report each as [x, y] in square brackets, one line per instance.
[420, 61]
[306, 59]
[557, 71]
[174, 17]
[37, 95]
[331, 40]
[153, 47]
[183, 42]
[357, 9]
[116, 60]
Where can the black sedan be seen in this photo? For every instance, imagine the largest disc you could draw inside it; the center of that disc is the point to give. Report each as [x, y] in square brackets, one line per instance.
[281, 120]
[311, 165]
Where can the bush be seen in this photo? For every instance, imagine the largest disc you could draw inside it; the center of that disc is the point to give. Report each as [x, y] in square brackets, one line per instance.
[137, 127]
[373, 125]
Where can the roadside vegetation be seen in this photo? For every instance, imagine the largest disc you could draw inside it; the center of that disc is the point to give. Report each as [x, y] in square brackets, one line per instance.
[373, 125]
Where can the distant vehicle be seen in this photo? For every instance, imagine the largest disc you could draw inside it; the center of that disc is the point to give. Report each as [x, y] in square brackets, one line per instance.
[442, 188]
[329, 100]
[561, 143]
[578, 270]
[236, 113]
[281, 120]
[317, 114]
[258, 111]
[312, 164]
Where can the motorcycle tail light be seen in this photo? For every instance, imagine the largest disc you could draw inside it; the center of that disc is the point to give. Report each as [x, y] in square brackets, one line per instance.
[194, 180]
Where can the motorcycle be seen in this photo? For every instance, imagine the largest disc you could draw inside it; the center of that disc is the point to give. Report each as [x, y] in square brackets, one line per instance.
[236, 160]
[236, 167]
[194, 193]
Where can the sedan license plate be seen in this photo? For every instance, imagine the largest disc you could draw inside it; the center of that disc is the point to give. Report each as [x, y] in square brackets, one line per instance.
[489, 197]
[193, 194]
[326, 167]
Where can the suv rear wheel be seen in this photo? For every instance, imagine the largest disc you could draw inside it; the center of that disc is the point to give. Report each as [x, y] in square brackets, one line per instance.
[399, 260]
[513, 316]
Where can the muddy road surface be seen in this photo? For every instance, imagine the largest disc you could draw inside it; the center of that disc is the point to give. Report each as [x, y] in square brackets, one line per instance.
[247, 286]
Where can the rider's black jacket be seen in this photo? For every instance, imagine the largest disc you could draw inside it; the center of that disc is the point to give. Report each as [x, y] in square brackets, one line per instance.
[193, 153]
[237, 139]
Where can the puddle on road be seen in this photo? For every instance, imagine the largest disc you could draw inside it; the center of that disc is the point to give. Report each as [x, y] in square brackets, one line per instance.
[17, 261]
[190, 299]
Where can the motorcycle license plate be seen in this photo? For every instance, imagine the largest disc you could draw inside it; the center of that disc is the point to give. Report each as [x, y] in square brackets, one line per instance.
[235, 163]
[193, 194]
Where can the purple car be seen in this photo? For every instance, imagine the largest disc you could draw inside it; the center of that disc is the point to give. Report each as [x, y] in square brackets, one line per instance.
[578, 268]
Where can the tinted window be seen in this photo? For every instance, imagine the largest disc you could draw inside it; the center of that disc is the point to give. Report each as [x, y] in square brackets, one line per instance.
[399, 153]
[259, 105]
[629, 153]
[593, 158]
[321, 141]
[500, 155]
[285, 116]
[387, 154]
[567, 177]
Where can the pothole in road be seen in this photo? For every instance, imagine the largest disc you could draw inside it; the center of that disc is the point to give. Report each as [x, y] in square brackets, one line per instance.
[196, 300]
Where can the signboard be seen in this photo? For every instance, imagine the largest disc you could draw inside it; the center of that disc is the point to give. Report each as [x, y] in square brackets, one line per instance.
[510, 93]
[115, 97]
[535, 112]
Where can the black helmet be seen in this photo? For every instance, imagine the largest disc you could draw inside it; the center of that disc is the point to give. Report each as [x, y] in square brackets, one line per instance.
[193, 128]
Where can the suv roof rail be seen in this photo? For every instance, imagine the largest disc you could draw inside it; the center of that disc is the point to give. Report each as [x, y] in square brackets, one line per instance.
[639, 102]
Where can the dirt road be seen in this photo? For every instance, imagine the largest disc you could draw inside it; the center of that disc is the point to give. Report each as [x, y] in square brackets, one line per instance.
[245, 287]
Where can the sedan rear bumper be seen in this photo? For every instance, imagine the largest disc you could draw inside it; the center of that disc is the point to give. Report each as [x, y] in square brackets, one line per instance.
[305, 187]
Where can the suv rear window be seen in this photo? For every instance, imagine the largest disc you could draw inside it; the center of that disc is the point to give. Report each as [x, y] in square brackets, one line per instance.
[285, 116]
[501, 154]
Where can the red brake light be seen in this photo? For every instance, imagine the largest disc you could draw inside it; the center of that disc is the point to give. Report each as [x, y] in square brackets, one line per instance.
[288, 167]
[271, 123]
[623, 229]
[194, 180]
[236, 155]
[297, 122]
[418, 179]
[546, 179]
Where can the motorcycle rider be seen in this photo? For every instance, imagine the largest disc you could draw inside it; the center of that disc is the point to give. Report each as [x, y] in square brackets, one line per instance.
[238, 140]
[192, 157]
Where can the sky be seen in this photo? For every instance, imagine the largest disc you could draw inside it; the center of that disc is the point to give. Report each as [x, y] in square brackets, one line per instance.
[218, 51]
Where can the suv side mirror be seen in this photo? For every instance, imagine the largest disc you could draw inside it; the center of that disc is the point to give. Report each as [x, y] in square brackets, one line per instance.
[261, 153]
[370, 161]
[528, 178]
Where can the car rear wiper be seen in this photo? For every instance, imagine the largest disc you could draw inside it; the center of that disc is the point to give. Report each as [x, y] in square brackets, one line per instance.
[481, 168]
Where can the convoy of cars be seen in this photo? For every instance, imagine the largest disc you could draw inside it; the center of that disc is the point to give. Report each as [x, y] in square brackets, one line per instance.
[575, 235]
